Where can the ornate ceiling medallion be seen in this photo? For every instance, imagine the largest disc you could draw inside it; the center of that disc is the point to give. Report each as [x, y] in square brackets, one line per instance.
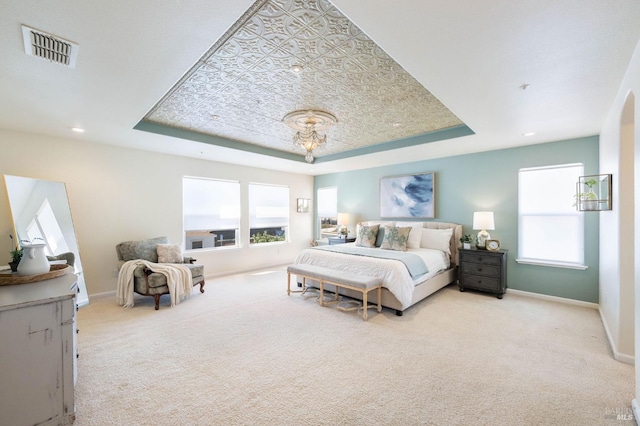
[307, 123]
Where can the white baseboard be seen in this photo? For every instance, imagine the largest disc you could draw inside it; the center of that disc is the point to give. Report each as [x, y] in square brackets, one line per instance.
[554, 298]
[626, 358]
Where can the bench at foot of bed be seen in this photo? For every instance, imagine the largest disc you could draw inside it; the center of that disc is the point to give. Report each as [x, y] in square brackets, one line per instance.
[340, 279]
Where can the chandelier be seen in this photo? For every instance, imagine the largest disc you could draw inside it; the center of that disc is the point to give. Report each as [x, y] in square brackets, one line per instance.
[308, 123]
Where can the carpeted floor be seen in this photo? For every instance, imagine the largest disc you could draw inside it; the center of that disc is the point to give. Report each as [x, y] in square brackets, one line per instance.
[245, 353]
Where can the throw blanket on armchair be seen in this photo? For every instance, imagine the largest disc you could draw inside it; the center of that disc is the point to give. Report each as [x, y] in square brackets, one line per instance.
[178, 281]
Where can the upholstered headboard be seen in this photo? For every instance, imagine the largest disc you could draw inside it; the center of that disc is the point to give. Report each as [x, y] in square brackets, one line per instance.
[454, 244]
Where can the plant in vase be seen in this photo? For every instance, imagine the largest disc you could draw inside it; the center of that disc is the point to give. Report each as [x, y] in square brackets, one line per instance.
[587, 200]
[467, 240]
[16, 255]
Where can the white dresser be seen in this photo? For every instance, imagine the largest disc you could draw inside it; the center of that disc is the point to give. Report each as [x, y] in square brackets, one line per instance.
[38, 352]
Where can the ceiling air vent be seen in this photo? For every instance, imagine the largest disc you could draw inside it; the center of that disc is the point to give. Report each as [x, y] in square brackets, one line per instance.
[50, 47]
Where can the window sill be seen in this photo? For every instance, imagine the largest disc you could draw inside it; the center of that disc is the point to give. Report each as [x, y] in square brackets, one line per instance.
[552, 264]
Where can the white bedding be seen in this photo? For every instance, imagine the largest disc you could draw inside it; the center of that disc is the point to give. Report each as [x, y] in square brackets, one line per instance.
[394, 274]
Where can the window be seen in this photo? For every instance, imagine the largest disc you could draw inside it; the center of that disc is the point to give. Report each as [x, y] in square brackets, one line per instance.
[550, 230]
[211, 213]
[327, 211]
[268, 213]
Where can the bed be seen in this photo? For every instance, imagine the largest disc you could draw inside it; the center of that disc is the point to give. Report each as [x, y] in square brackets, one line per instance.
[435, 242]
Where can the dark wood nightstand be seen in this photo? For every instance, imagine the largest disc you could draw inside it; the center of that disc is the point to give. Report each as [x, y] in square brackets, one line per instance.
[333, 241]
[483, 270]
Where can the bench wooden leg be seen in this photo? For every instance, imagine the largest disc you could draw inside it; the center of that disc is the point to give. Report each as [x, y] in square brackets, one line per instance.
[304, 285]
[364, 305]
[321, 299]
[379, 299]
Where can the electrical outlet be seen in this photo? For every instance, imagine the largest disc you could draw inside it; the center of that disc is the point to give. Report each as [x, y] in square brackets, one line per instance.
[115, 273]
[604, 297]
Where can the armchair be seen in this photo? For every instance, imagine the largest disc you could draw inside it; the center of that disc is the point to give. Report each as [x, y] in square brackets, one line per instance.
[147, 282]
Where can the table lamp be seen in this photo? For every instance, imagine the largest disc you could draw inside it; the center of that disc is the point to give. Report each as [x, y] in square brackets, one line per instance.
[483, 221]
[343, 222]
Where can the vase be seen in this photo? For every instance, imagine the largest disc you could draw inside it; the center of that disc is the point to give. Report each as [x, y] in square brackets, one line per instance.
[33, 261]
[14, 266]
[466, 246]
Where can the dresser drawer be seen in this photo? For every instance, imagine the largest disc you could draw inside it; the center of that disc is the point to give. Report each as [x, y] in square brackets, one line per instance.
[480, 269]
[481, 283]
[486, 259]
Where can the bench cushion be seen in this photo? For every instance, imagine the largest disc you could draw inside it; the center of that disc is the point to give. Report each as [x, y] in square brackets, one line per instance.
[335, 276]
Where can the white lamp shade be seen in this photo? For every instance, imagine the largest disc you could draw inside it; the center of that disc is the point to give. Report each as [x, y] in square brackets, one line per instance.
[483, 221]
[343, 218]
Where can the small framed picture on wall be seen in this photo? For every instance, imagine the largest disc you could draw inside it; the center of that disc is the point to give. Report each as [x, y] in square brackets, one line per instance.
[303, 205]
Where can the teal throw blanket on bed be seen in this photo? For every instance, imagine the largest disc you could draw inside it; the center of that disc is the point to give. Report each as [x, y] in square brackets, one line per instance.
[414, 263]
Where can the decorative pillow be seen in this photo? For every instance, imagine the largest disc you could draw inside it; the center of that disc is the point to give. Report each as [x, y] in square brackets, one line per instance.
[382, 224]
[415, 235]
[366, 235]
[169, 253]
[395, 238]
[437, 239]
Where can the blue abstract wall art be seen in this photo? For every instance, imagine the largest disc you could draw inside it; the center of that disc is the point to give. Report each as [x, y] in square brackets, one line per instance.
[409, 196]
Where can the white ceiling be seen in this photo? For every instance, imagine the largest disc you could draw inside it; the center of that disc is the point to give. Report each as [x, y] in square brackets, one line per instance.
[473, 56]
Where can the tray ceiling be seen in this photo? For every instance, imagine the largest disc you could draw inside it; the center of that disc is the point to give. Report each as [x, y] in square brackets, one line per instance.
[244, 85]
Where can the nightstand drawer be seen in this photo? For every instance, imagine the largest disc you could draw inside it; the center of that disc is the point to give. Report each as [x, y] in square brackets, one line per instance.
[486, 259]
[481, 283]
[481, 269]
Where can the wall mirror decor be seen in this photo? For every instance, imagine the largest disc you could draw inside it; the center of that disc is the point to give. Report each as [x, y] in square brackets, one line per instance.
[593, 193]
[40, 210]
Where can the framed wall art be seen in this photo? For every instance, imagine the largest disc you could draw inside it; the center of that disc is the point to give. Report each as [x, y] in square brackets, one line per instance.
[303, 205]
[408, 196]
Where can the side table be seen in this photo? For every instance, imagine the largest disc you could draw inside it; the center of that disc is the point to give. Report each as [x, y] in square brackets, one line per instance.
[483, 270]
[333, 241]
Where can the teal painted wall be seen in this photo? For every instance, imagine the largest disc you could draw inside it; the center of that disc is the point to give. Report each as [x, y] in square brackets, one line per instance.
[488, 181]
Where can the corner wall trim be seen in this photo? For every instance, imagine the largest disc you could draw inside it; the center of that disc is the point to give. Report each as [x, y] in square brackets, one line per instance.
[627, 359]
[554, 298]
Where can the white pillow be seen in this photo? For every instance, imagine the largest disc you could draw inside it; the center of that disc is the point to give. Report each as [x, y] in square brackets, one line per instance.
[415, 235]
[437, 239]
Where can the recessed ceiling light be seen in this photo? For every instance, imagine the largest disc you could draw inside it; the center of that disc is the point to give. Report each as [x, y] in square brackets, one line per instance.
[215, 117]
[525, 86]
[77, 129]
[397, 124]
[296, 68]
[529, 134]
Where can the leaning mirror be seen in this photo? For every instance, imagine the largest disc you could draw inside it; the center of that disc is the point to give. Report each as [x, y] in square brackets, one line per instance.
[40, 210]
